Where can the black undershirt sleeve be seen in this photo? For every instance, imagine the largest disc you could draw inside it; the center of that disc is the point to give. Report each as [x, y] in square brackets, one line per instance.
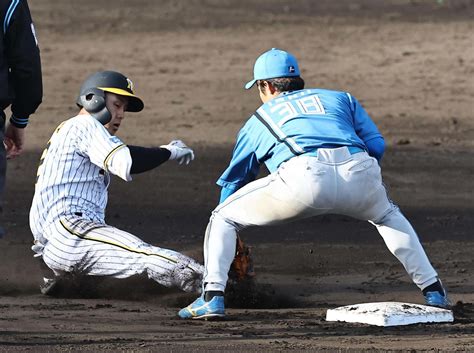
[146, 158]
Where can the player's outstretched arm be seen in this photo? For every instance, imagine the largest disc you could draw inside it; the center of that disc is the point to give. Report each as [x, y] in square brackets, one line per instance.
[147, 158]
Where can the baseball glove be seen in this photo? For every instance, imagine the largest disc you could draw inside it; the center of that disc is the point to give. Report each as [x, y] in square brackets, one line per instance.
[242, 266]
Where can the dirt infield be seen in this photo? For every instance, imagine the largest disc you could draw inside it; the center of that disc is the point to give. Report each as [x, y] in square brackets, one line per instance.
[410, 62]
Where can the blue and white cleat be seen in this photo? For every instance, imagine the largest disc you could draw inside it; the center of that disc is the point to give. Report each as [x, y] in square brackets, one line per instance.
[438, 296]
[200, 309]
[437, 299]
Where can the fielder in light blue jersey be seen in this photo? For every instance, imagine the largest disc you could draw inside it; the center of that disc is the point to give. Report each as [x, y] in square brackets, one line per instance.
[296, 123]
[323, 151]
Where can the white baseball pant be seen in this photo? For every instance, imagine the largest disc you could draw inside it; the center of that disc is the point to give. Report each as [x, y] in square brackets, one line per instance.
[334, 182]
[85, 247]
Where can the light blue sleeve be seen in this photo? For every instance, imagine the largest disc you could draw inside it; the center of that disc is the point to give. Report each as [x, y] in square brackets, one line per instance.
[225, 193]
[244, 165]
[376, 147]
[364, 126]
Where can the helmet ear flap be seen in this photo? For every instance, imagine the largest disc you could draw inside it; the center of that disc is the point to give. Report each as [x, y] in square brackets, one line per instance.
[93, 101]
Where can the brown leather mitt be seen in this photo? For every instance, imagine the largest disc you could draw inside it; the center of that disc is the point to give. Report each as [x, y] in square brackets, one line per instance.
[242, 266]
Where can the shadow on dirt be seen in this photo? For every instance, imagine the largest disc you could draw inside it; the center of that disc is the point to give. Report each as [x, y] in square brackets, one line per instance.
[463, 313]
[246, 294]
[249, 294]
[135, 288]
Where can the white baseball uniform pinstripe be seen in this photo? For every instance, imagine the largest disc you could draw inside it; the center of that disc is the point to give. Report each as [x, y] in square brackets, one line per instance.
[67, 213]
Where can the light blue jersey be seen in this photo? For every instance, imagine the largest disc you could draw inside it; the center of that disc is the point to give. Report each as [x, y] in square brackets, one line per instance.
[296, 123]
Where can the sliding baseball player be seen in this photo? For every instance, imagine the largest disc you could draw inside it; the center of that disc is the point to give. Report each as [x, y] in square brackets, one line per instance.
[67, 216]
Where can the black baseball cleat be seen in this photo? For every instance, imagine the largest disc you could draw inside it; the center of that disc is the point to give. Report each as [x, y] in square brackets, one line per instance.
[49, 286]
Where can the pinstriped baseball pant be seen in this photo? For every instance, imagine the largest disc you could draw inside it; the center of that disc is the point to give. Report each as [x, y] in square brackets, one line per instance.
[85, 247]
[334, 182]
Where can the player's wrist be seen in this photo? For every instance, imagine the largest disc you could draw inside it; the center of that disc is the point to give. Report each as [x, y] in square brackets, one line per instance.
[20, 123]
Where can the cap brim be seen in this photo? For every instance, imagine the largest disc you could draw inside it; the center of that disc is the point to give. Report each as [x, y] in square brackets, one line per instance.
[250, 84]
[135, 104]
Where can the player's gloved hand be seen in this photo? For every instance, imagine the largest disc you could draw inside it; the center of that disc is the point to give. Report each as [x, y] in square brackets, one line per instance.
[179, 151]
[242, 266]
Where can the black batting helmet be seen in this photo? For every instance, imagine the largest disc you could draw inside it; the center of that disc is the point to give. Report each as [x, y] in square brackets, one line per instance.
[92, 94]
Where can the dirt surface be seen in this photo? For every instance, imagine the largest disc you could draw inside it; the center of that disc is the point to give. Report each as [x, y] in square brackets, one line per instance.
[411, 63]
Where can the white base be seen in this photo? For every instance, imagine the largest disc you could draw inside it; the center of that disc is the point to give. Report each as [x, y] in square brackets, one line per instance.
[389, 314]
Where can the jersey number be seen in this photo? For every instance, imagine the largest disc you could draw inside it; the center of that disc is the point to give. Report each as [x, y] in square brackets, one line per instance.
[45, 152]
[290, 109]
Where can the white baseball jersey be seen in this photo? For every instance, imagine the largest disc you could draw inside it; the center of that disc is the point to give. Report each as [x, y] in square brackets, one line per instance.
[73, 175]
[67, 213]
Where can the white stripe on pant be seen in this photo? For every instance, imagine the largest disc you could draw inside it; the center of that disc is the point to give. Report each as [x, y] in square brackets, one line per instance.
[90, 248]
[335, 182]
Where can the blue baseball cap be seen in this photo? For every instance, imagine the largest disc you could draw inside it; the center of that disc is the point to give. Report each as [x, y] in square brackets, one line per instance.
[272, 64]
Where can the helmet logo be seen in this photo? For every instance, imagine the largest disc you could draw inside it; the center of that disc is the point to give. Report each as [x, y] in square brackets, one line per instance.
[129, 84]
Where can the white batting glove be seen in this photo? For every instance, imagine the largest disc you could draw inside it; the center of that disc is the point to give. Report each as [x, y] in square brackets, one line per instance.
[179, 151]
